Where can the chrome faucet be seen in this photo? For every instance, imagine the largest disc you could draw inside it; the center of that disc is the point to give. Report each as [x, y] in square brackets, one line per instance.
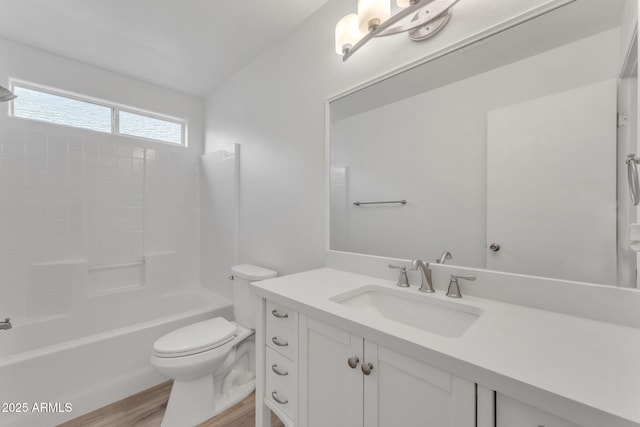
[444, 257]
[425, 271]
[454, 288]
[6, 324]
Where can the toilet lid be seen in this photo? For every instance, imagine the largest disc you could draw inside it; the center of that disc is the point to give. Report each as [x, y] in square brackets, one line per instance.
[200, 336]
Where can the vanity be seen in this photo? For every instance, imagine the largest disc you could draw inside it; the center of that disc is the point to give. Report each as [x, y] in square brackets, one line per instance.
[336, 348]
[344, 349]
[507, 150]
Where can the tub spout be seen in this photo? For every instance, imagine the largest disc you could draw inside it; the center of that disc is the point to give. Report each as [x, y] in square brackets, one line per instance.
[6, 324]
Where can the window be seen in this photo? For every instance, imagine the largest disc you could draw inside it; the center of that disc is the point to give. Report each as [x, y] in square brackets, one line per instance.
[149, 127]
[32, 104]
[70, 110]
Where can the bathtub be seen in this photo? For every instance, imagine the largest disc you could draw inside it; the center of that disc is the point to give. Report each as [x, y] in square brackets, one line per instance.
[57, 368]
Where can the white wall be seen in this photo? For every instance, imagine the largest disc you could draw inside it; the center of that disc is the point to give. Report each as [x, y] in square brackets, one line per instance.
[219, 217]
[71, 198]
[275, 108]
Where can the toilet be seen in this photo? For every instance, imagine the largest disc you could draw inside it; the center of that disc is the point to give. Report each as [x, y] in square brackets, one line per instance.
[211, 362]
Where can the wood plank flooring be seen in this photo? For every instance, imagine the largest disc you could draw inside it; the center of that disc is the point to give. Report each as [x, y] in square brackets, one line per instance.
[145, 409]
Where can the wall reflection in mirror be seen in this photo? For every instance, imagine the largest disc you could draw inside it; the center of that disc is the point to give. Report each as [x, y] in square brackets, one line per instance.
[508, 152]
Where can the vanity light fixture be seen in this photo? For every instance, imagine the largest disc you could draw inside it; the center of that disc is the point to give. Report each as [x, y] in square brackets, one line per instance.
[6, 95]
[421, 19]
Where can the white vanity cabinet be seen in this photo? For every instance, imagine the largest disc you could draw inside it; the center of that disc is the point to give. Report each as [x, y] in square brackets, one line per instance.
[331, 392]
[416, 378]
[348, 381]
[511, 412]
[278, 357]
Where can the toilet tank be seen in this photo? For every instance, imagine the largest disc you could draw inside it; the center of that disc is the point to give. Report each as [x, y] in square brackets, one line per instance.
[243, 310]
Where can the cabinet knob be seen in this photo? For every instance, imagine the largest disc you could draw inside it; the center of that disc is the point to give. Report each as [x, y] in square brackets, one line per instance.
[495, 247]
[353, 362]
[367, 368]
[279, 343]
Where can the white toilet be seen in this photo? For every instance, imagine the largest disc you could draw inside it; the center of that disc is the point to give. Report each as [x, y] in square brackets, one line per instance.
[212, 362]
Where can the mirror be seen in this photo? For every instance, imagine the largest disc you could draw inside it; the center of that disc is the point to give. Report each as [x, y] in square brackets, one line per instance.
[507, 152]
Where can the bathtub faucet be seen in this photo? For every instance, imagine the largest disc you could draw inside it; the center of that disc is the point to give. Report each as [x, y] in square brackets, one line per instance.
[6, 324]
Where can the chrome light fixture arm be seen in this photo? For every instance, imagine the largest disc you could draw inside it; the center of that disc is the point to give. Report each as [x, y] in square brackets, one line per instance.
[437, 10]
[422, 16]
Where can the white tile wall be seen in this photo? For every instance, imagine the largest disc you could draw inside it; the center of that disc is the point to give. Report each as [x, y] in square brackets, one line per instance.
[70, 202]
[70, 198]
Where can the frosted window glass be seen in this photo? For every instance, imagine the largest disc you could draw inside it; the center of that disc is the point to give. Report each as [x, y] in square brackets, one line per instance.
[149, 127]
[32, 104]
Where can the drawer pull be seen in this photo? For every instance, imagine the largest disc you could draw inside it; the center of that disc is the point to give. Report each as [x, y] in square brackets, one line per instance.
[278, 315]
[277, 371]
[278, 343]
[277, 399]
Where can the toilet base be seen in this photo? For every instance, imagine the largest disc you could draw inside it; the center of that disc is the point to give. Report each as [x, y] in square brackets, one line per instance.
[190, 401]
[234, 396]
[194, 400]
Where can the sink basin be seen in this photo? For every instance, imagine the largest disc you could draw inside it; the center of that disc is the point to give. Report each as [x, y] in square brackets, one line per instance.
[445, 318]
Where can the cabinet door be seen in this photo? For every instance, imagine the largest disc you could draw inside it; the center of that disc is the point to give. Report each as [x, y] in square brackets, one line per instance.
[401, 391]
[330, 390]
[511, 412]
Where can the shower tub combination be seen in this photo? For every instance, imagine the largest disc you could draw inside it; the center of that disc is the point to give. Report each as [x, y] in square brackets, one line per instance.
[60, 367]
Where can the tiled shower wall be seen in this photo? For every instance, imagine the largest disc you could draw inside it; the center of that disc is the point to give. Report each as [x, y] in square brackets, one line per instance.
[74, 203]
[71, 205]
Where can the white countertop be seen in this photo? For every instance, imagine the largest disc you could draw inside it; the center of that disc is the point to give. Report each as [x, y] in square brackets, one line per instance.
[583, 370]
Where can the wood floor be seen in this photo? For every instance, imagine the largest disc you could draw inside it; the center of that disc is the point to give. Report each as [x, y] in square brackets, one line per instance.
[145, 409]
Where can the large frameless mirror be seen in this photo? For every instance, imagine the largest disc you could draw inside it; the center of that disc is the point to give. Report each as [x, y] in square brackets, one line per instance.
[509, 153]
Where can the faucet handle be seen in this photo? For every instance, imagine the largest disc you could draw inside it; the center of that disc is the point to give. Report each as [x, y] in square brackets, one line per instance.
[469, 277]
[403, 279]
[454, 288]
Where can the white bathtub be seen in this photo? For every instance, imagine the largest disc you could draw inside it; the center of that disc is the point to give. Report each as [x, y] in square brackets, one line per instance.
[92, 357]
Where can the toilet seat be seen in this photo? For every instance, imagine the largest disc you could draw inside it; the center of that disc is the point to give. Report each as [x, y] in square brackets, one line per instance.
[196, 338]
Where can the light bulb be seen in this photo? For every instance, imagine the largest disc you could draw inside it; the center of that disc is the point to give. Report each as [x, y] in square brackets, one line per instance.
[372, 13]
[347, 33]
[403, 3]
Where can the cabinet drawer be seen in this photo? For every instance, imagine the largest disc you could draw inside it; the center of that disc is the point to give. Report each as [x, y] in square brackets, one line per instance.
[282, 330]
[511, 412]
[281, 382]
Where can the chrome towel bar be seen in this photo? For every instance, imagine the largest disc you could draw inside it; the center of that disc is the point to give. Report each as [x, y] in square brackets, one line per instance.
[402, 202]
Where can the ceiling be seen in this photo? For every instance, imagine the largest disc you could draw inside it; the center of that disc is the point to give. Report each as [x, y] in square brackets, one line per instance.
[188, 45]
